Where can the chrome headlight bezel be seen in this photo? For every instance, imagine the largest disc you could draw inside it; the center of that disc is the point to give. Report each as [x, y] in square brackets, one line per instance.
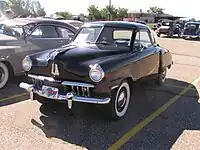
[96, 73]
[27, 63]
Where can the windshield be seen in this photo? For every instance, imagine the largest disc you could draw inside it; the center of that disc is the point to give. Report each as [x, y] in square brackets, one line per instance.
[191, 26]
[14, 31]
[88, 35]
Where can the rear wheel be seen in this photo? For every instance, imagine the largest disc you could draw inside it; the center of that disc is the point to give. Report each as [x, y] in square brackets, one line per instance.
[4, 75]
[161, 76]
[120, 101]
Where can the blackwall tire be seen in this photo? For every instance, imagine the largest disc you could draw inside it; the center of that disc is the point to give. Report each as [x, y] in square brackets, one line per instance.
[161, 77]
[4, 75]
[120, 101]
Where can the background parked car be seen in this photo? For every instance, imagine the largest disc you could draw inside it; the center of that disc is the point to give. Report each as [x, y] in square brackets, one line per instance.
[191, 30]
[77, 24]
[23, 36]
[169, 28]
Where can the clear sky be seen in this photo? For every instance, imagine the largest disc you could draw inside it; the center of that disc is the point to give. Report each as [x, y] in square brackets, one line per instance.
[185, 8]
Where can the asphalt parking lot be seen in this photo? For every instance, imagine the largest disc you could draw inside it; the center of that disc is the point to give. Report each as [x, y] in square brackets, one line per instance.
[158, 118]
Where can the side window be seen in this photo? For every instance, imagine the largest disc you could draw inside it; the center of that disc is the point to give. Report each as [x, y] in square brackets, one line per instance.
[137, 39]
[122, 37]
[37, 33]
[45, 31]
[65, 33]
[122, 34]
[145, 39]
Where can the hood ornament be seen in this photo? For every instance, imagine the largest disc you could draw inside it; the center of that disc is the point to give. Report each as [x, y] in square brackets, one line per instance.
[54, 69]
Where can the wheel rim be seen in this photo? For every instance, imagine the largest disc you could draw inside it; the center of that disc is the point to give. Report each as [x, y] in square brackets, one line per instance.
[163, 76]
[2, 75]
[122, 99]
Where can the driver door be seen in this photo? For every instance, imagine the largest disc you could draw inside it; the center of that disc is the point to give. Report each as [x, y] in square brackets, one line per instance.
[148, 62]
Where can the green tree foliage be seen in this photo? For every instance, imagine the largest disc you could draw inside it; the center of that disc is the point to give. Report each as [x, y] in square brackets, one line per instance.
[25, 8]
[107, 12]
[65, 15]
[94, 13]
[122, 13]
[156, 10]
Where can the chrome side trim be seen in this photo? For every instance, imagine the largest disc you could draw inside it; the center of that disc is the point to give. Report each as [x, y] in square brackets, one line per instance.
[114, 87]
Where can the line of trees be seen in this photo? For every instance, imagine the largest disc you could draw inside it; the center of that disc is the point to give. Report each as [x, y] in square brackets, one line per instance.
[94, 13]
[23, 8]
[33, 8]
[108, 12]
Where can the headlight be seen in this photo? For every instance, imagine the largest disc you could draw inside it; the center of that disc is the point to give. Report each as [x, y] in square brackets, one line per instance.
[96, 73]
[27, 63]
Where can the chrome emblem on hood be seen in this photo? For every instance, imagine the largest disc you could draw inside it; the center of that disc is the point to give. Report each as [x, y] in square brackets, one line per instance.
[55, 70]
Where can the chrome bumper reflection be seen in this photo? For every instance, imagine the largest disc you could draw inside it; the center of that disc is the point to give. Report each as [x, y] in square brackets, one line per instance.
[69, 97]
[191, 36]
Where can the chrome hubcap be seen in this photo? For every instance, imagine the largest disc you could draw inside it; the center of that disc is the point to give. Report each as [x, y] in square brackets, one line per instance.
[2, 75]
[121, 101]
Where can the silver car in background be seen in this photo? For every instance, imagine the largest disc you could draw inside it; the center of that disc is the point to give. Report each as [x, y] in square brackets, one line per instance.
[77, 24]
[23, 36]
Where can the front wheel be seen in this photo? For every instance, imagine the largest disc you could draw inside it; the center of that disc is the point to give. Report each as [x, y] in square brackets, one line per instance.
[4, 75]
[120, 101]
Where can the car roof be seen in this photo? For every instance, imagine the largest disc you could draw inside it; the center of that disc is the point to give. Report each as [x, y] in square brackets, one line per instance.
[124, 24]
[192, 22]
[24, 21]
[72, 21]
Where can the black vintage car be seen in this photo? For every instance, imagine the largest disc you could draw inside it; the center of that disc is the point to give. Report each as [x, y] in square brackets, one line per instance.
[99, 66]
[169, 28]
[191, 30]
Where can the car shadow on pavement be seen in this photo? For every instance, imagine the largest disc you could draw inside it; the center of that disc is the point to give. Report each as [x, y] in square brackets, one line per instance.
[88, 128]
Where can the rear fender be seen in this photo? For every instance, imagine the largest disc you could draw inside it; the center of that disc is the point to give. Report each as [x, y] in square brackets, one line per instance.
[165, 60]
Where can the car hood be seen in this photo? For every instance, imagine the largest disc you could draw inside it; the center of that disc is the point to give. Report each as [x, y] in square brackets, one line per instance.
[77, 59]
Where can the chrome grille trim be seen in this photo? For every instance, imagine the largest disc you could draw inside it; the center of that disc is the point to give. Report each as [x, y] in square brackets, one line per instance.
[78, 88]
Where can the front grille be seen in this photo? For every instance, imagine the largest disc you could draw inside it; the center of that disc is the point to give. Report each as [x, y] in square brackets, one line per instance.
[78, 89]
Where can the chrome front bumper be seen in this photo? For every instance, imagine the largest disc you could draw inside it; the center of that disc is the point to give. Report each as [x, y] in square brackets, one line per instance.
[190, 36]
[69, 97]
